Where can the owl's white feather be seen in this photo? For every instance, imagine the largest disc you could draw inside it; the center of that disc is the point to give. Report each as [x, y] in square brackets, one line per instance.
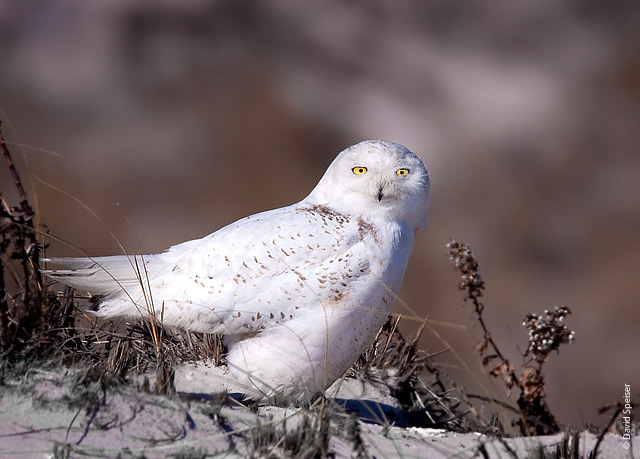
[298, 292]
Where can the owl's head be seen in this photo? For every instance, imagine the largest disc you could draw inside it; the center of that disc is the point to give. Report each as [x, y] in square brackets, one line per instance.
[376, 179]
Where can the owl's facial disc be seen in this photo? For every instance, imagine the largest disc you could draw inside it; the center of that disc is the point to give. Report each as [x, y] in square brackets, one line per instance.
[380, 183]
[376, 180]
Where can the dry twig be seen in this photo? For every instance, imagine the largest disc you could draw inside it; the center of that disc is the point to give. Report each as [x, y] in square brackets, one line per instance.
[546, 334]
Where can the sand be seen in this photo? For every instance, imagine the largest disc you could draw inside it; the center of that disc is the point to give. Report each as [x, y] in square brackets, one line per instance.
[49, 413]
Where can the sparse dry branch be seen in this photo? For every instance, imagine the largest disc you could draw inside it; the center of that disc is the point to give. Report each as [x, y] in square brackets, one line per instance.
[546, 334]
[24, 203]
[25, 313]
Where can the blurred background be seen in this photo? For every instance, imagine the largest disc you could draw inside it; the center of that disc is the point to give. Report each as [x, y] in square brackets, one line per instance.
[171, 119]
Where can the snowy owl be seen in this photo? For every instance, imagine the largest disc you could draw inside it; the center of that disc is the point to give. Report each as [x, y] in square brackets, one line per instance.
[298, 292]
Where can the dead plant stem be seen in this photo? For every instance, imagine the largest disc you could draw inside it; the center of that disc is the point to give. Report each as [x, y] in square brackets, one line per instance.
[24, 203]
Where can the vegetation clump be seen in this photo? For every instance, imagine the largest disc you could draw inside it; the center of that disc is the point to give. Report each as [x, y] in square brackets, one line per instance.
[546, 334]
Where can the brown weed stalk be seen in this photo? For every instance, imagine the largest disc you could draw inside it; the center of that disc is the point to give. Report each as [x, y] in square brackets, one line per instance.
[546, 334]
[24, 311]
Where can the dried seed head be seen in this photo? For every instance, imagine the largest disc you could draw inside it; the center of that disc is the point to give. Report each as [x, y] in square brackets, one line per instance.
[546, 334]
[464, 261]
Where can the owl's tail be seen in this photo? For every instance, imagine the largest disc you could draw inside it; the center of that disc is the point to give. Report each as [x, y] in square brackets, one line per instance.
[121, 282]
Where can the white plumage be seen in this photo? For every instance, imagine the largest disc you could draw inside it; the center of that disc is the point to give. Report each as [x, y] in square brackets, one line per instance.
[298, 292]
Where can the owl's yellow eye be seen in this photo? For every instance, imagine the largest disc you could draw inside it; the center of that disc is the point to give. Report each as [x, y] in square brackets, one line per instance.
[402, 172]
[359, 170]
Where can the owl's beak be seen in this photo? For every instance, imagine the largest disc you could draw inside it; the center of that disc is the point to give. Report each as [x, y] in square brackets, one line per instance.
[380, 193]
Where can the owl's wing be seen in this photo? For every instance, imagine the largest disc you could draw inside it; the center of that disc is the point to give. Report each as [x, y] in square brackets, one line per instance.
[263, 270]
[259, 271]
